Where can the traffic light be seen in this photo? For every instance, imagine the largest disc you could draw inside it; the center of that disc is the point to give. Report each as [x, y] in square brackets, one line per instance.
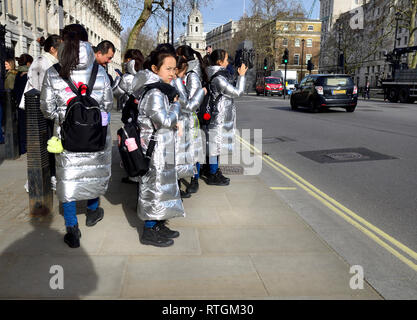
[265, 64]
[285, 56]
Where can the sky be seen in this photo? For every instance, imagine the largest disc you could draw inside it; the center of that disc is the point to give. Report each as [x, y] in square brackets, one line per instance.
[221, 11]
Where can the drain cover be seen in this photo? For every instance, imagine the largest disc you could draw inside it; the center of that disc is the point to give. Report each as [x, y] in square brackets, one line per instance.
[344, 155]
[276, 139]
[231, 170]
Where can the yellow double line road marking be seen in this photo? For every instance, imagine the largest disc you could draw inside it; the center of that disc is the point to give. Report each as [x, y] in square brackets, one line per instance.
[367, 228]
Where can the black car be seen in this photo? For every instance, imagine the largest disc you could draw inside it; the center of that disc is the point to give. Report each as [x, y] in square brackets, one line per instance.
[323, 91]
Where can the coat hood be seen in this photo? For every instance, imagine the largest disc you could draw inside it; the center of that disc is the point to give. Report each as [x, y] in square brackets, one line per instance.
[213, 69]
[130, 67]
[194, 65]
[142, 78]
[86, 55]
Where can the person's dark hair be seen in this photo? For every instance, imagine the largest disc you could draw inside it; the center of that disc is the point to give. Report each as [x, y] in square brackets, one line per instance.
[208, 47]
[182, 63]
[190, 54]
[69, 57]
[156, 58]
[24, 59]
[216, 55]
[104, 47]
[53, 41]
[135, 54]
[166, 47]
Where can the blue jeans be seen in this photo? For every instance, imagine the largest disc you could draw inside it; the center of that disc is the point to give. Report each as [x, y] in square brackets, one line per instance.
[70, 211]
[214, 164]
[1, 120]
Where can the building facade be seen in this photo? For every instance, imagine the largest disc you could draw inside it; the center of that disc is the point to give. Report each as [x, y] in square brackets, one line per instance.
[194, 35]
[301, 37]
[162, 35]
[28, 20]
[221, 36]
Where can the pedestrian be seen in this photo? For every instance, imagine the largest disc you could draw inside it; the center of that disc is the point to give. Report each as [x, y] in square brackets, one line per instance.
[104, 53]
[80, 175]
[206, 58]
[1, 109]
[222, 125]
[195, 79]
[158, 193]
[25, 60]
[35, 77]
[367, 90]
[123, 90]
[11, 72]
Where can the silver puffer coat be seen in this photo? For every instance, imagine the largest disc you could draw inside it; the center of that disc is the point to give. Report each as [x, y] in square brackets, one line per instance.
[159, 195]
[223, 123]
[80, 175]
[193, 84]
[122, 86]
[185, 143]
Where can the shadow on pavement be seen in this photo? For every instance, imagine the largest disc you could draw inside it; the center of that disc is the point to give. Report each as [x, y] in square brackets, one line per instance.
[40, 265]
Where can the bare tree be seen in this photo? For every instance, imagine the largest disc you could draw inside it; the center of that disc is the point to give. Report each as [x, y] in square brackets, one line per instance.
[156, 9]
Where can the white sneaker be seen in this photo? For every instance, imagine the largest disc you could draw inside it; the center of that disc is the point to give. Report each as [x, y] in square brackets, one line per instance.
[27, 186]
[53, 183]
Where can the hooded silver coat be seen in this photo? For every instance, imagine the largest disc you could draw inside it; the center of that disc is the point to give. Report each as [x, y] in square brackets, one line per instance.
[222, 126]
[123, 86]
[186, 140]
[159, 195]
[80, 175]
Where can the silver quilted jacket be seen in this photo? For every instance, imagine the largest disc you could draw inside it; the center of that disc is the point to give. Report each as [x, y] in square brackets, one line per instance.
[186, 140]
[122, 86]
[159, 195]
[80, 175]
[223, 123]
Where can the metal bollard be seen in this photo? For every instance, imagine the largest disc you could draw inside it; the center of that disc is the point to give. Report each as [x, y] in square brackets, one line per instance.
[10, 127]
[39, 175]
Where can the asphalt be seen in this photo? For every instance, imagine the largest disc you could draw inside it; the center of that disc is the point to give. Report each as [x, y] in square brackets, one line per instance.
[237, 242]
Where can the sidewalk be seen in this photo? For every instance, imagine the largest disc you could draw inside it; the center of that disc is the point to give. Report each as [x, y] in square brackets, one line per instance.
[237, 242]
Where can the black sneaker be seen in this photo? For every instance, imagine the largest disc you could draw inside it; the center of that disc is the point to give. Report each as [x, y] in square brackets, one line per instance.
[152, 236]
[94, 216]
[72, 238]
[165, 231]
[183, 194]
[205, 170]
[217, 179]
[193, 187]
[221, 173]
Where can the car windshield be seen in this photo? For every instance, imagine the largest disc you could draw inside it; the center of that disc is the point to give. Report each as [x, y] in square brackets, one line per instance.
[273, 81]
[337, 81]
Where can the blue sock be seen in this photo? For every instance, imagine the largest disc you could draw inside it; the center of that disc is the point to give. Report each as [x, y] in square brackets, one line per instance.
[70, 213]
[92, 204]
[198, 166]
[150, 223]
[213, 164]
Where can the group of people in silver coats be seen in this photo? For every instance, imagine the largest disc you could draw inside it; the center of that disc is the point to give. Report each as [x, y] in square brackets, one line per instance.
[179, 151]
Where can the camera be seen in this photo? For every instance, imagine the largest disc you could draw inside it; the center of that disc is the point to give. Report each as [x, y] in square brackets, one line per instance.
[244, 56]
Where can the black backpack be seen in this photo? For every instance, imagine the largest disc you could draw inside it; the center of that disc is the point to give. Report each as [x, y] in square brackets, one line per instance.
[82, 129]
[135, 162]
[207, 107]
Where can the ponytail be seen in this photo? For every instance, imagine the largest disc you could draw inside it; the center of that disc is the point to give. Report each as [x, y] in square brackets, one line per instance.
[69, 56]
[190, 54]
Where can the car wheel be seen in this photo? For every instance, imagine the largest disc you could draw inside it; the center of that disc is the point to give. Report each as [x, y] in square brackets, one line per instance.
[393, 95]
[257, 93]
[350, 108]
[293, 104]
[404, 95]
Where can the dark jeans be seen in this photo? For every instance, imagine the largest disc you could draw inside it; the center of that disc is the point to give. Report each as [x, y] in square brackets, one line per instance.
[22, 130]
[50, 126]
[1, 124]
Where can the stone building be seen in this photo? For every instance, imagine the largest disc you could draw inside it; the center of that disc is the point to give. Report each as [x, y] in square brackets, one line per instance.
[162, 35]
[221, 36]
[28, 20]
[194, 35]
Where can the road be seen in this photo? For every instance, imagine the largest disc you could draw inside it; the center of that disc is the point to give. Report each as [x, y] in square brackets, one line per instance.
[380, 190]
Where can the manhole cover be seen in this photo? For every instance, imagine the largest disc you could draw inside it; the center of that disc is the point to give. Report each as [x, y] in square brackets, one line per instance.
[276, 139]
[231, 170]
[344, 155]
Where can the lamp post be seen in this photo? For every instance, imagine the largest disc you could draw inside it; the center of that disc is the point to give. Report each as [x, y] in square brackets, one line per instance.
[397, 18]
[302, 57]
[168, 10]
[172, 22]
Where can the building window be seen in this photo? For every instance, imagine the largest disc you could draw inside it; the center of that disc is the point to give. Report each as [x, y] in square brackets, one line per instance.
[309, 43]
[197, 46]
[298, 27]
[196, 29]
[196, 19]
[405, 40]
[296, 59]
[308, 57]
[297, 42]
[285, 27]
[310, 28]
[285, 42]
